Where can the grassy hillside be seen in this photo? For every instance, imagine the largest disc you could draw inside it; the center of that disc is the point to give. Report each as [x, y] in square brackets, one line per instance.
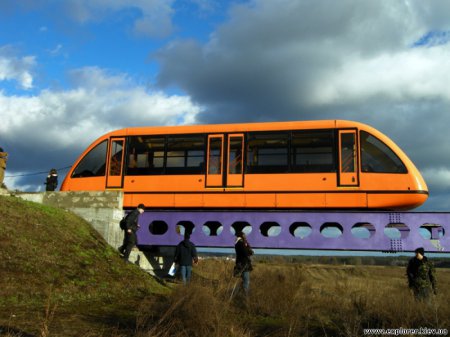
[58, 275]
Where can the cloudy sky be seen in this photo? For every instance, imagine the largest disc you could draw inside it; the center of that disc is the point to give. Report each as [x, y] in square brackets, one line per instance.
[72, 70]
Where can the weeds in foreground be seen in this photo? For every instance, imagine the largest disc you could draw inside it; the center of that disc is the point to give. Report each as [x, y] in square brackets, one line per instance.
[289, 301]
[204, 308]
[49, 314]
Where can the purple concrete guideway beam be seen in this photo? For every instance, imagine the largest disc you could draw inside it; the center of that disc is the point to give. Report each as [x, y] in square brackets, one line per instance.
[409, 237]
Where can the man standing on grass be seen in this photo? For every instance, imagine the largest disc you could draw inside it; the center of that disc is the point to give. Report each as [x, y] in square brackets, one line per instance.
[130, 238]
[243, 265]
[421, 277]
[185, 254]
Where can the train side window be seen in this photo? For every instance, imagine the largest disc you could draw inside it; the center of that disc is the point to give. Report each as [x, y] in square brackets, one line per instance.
[93, 163]
[115, 165]
[185, 154]
[235, 155]
[215, 156]
[312, 151]
[145, 155]
[267, 152]
[378, 157]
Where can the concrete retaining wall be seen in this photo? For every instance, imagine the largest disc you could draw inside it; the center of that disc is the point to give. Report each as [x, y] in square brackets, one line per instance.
[103, 210]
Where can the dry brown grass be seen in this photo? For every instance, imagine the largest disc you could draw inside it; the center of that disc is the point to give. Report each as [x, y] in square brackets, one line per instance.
[293, 300]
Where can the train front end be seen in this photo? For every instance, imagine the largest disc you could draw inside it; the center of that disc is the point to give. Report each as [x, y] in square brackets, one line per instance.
[389, 177]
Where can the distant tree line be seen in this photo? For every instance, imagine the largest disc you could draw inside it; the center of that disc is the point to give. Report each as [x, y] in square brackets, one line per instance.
[439, 262]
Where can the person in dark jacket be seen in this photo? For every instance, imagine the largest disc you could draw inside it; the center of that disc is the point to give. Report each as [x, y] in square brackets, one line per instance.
[243, 265]
[132, 225]
[421, 276]
[185, 255]
[52, 180]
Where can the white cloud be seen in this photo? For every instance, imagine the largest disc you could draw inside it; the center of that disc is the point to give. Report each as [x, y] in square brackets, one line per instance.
[97, 78]
[207, 6]
[16, 68]
[151, 18]
[439, 177]
[296, 56]
[58, 125]
[61, 118]
[57, 50]
[154, 20]
[438, 180]
[416, 73]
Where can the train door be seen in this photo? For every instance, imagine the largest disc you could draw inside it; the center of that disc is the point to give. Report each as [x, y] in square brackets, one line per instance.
[225, 165]
[348, 160]
[235, 166]
[214, 167]
[115, 163]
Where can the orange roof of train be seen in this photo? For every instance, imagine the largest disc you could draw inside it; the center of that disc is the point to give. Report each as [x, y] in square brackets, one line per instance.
[236, 127]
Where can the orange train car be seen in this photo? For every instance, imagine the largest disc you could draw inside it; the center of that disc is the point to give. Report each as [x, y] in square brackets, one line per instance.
[330, 164]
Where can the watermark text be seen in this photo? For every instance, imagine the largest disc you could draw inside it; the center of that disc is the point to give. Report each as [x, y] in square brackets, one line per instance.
[404, 331]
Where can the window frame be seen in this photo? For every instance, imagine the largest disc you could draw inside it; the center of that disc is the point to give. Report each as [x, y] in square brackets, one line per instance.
[266, 169]
[173, 170]
[361, 148]
[294, 167]
[106, 149]
[165, 169]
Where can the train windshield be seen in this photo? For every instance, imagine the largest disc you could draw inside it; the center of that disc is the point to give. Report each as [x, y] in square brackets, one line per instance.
[378, 157]
[93, 164]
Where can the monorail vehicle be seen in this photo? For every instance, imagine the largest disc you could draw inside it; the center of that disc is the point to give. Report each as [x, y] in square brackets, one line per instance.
[330, 164]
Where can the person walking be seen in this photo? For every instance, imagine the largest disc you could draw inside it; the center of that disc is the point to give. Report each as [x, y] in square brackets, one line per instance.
[3, 160]
[243, 265]
[131, 227]
[185, 255]
[421, 276]
[52, 180]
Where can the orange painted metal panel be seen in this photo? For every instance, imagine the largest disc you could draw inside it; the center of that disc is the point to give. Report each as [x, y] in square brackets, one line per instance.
[291, 182]
[219, 199]
[297, 200]
[261, 200]
[300, 200]
[149, 200]
[188, 200]
[84, 184]
[395, 201]
[164, 183]
[346, 200]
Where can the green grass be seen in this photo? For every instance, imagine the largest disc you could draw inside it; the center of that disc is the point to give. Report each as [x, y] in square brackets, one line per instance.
[52, 260]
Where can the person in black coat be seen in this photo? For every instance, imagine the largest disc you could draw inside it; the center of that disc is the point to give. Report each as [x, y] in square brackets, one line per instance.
[243, 265]
[185, 255]
[132, 225]
[52, 181]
